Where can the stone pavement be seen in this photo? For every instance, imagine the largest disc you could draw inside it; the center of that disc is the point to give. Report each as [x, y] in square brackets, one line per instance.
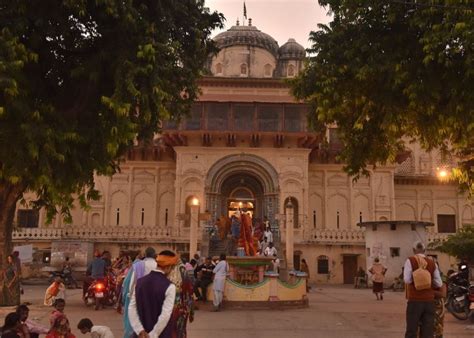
[333, 312]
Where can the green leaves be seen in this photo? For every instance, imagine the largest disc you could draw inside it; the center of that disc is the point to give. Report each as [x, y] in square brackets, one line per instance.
[80, 79]
[460, 245]
[383, 71]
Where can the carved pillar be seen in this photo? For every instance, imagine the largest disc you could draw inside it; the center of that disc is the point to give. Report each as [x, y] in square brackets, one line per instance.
[194, 224]
[289, 234]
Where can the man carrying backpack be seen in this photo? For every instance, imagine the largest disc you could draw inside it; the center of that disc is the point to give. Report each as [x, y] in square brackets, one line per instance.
[421, 275]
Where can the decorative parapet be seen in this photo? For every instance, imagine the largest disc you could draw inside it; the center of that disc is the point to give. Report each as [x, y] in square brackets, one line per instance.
[37, 234]
[334, 236]
[115, 234]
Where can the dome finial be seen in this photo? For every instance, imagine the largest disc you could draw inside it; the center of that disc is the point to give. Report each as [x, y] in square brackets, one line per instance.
[250, 22]
[238, 22]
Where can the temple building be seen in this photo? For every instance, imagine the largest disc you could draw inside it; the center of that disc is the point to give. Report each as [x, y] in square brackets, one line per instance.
[247, 143]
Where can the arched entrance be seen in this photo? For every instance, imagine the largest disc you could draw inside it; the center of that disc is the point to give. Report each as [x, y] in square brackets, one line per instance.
[242, 181]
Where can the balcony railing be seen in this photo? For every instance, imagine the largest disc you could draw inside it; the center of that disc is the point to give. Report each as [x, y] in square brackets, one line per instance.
[330, 236]
[110, 234]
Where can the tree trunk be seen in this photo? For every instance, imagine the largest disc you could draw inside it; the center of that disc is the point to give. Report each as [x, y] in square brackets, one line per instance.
[9, 196]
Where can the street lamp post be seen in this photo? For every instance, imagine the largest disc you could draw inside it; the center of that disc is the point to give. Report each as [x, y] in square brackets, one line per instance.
[194, 223]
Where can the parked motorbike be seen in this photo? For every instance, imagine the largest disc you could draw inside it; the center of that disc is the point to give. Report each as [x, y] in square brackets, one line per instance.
[101, 292]
[471, 300]
[66, 278]
[458, 300]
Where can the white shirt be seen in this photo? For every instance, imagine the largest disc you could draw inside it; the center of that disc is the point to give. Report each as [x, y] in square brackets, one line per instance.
[408, 274]
[270, 251]
[98, 331]
[164, 317]
[268, 234]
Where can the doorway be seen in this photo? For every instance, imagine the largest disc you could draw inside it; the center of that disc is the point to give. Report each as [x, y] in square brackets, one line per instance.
[349, 268]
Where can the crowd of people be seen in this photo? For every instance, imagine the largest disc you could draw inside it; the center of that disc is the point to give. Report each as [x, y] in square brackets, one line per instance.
[156, 296]
[157, 293]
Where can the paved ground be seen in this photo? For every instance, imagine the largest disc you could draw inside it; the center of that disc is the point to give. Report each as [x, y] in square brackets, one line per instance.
[333, 312]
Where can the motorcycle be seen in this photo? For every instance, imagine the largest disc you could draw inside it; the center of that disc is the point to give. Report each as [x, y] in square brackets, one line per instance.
[69, 282]
[101, 292]
[458, 300]
[471, 300]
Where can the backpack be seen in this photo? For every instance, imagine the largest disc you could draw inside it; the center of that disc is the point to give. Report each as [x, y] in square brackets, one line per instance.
[421, 276]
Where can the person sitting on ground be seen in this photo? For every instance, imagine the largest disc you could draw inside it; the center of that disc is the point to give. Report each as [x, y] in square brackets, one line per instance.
[60, 328]
[57, 290]
[13, 328]
[270, 250]
[59, 305]
[35, 329]
[85, 325]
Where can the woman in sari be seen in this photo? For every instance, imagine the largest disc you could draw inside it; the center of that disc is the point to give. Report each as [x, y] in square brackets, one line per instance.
[184, 305]
[11, 284]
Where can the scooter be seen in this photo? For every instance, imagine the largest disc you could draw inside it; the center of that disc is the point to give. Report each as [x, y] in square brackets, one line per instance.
[101, 292]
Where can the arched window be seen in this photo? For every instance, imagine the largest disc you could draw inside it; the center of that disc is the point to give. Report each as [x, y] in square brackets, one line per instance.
[219, 69]
[187, 221]
[323, 264]
[294, 202]
[267, 70]
[291, 71]
[243, 69]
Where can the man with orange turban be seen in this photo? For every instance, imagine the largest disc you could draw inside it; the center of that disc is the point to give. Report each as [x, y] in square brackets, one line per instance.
[152, 301]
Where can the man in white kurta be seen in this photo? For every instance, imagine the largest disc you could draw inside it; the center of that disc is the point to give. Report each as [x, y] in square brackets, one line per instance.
[220, 274]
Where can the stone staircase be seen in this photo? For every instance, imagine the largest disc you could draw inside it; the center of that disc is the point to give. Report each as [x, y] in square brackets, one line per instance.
[217, 246]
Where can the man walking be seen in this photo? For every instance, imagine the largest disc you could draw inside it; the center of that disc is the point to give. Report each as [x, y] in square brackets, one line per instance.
[420, 307]
[152, 301]
[220, 274]
[138, 270]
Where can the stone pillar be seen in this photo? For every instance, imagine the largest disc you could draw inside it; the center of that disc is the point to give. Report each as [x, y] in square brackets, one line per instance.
[289, 234]
[194, 224]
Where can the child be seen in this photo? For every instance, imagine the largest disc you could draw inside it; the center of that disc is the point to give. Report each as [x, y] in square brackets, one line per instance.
[96, 331]
[59, 305]
[60, 328]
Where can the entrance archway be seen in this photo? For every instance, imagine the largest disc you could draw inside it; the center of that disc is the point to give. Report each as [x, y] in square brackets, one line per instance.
[242, 179]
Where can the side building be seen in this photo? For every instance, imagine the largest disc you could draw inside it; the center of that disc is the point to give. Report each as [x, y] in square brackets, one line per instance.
[247, 141]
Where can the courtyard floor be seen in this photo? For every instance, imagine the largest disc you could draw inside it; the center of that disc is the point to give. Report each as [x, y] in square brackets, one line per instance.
[333, 312]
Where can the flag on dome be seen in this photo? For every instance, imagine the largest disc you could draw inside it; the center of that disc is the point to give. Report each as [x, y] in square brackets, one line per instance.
[245, 11]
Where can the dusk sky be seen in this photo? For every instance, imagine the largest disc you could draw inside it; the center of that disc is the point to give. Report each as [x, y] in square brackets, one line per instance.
[282, 19]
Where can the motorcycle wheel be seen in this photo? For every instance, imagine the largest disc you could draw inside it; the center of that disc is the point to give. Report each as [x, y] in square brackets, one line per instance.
[461, 315]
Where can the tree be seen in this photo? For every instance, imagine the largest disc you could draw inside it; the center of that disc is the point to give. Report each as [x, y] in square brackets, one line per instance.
[460, 245]
[80, 80]
[388, 72]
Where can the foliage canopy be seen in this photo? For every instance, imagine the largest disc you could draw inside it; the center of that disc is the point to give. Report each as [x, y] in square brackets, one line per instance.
[459, 245]
[390, 71]
[80, 79]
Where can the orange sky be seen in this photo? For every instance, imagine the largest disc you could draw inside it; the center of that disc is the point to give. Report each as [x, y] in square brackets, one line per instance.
[282, 19]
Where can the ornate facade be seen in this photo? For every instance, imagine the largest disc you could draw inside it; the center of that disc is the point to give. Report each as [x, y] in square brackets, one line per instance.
[247, 139]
